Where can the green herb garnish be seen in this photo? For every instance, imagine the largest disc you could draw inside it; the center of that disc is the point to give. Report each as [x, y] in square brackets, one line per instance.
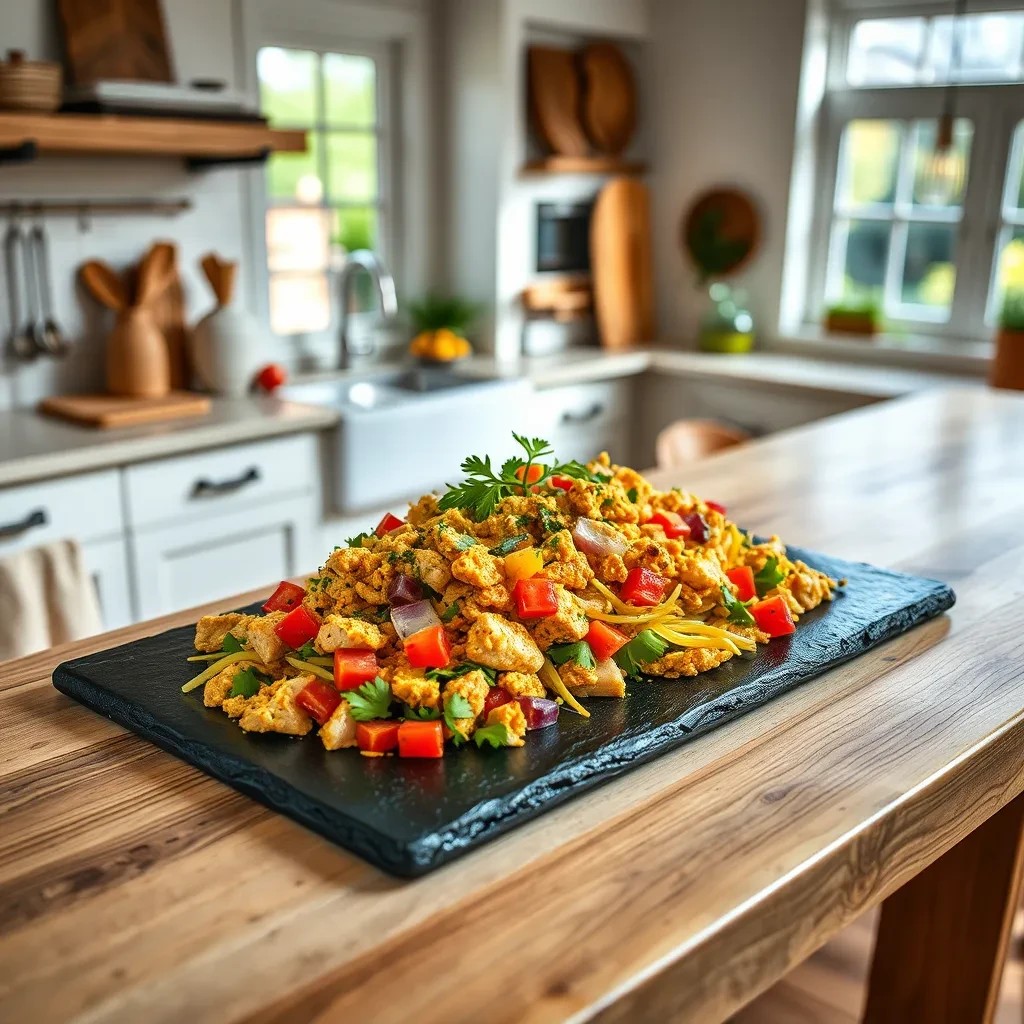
[644, 648]
[307, 651]
[450, 612]
[456, 706]
[579, 652]
[549, 521]
[769, 576]
[421, 714]
[357, 540]
[736, 608]
[442, 675]
[372, 700]
[231, 645]
[507, 546]
[247, 683]
[497, 735]
[632, 494]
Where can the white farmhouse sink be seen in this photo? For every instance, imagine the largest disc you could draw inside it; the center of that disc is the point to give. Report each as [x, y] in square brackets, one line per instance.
[405, 432]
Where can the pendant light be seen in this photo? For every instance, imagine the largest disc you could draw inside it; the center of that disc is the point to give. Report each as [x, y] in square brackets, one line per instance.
[943, 178]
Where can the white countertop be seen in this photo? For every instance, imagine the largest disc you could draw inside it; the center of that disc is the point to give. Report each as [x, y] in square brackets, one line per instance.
[33, 447]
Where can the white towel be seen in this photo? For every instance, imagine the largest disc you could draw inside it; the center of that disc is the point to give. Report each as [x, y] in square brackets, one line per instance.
[46, 597]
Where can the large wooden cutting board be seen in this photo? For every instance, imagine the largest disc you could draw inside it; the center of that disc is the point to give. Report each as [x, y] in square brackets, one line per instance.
[114, 411]
[555, 100]
[621, 264]
[608, 110]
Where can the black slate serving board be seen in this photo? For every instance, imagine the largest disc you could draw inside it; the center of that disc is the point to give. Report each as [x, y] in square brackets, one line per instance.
[409, 817]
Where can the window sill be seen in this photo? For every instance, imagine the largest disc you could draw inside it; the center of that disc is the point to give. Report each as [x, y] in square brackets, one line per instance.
[915, 351]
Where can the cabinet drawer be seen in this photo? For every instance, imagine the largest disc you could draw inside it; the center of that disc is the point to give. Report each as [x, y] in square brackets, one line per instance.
[85, 507]
[222, 480]
[582, 406]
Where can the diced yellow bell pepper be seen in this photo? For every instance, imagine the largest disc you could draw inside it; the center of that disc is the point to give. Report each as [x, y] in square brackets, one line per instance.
[521, 565]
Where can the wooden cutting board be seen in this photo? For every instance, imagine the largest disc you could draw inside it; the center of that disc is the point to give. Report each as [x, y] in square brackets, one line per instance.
[621, 264]
[112, 411]
[608, 110]
[555, 100]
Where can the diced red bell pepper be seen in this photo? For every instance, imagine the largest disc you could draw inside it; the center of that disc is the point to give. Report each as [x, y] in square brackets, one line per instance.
[496, 696]
[742, 577]
[672, 523]
[297, 627]
[388, 523]
[318, 699]
[285, 598]
[605, 640]
[354, 666]
[377, 737]
[563, 483]
[773, 616]
[643, 587]
[717, 506]
[420, 739]
[429, 648]
[535, 598]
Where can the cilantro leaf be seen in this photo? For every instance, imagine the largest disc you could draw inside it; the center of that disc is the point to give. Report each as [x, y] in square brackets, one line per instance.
[421, 714]
[450, 612]
[357, 540]
[507, 546]
[442, 675]
[644, 648]
[579, 652]
[247, 683]
[307, 651]
[768, 576]
[372, 700]
[736, 608]
[231, 645]
[455, 707]
[497, 735]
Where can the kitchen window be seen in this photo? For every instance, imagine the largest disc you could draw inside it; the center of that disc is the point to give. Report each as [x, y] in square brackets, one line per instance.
[931, 234]
[332, 199]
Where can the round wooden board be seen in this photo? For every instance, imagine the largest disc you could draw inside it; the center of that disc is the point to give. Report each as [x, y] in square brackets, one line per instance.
[555, 100]
[609, 97]
[721, 231]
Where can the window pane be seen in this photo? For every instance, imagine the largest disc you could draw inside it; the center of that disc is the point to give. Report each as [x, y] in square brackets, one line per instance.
[929, 272]
[354, 227]
[295, 177]
[940, 178]
[351, 166]
[299, 303]
[287, 85]
[297, 239]
[1013, 200]
[870, 155]
[990, 48]
[863, 259]
[350, 90]
[1009, 267]
[885, 51]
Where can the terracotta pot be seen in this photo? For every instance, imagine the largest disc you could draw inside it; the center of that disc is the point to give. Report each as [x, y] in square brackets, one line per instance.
[1007, 369]
[863, 324]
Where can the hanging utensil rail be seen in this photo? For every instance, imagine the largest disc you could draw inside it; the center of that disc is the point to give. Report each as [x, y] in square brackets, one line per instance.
[94, 207]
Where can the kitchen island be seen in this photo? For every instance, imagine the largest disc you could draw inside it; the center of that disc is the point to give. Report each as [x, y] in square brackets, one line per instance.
[134, 888]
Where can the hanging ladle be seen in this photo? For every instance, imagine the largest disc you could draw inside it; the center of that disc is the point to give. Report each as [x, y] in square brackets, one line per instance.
[21, 341]
[48, 336]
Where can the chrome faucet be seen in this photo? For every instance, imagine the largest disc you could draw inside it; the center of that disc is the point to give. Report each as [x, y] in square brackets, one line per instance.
[363, 259]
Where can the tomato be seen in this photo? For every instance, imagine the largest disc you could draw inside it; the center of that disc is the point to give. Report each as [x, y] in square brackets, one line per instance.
[388, 523]
[643, 586]
[420, 739]
[715, 506]
[535, 598]
[773, 616]
[563, 483]
[354, 666]
[271, 377]
[743, 578]
[318, 699]
[605, 640]
[297, 627]
[496, 696]
[286, 597]
[378, 737]
[521, 565]
[429, 648]
[672, 523]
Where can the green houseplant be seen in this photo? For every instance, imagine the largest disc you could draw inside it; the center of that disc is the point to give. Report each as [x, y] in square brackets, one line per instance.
[441, 323]
[854, 316]
[1008, 363]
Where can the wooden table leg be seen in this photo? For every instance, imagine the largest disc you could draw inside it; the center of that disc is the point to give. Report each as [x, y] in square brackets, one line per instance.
[942, 938]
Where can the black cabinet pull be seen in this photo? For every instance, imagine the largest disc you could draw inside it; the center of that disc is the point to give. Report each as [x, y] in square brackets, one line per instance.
[30, 522]
[583, 417]
[204, 487]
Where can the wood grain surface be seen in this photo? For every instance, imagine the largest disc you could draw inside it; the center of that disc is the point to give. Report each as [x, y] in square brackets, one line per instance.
[133, 888]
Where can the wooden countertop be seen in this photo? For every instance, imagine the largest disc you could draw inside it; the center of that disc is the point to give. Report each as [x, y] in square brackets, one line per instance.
[134, 888]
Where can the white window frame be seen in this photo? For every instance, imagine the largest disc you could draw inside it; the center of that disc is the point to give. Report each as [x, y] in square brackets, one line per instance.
[994, 111]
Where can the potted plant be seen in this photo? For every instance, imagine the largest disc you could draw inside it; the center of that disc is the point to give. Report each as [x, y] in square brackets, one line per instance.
[854, 316]
[1008, 363]
[441, 323]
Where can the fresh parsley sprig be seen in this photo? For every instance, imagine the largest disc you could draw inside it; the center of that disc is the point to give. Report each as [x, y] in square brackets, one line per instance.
[497, 735]
[247, 683]
[768, 576]
[644, 648]
[736, 608]
[442, 675]
[455, 707]
[579, 653]
[370, 701]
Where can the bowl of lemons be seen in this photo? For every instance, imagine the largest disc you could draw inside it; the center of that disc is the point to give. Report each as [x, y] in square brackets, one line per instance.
[441, 323]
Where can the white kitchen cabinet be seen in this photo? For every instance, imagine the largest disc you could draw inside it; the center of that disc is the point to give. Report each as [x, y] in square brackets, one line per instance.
[107, 563]
[582, 420]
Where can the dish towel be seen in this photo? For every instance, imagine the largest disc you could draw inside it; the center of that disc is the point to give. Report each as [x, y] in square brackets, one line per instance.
[46, 597]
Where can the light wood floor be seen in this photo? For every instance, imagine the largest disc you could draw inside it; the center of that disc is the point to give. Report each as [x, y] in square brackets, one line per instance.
[829, 988]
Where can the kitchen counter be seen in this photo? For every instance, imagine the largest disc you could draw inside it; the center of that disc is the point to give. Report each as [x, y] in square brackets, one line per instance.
[132, 887]
[33, 447]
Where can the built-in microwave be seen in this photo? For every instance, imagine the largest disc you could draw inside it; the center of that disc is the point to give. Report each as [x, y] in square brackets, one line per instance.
[563, 237]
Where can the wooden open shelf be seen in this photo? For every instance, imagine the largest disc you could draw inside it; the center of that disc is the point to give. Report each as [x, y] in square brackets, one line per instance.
[583, 165]
[199, 140]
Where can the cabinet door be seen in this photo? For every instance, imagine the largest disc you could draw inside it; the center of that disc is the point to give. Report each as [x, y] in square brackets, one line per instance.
[107, 564]
[181, 565]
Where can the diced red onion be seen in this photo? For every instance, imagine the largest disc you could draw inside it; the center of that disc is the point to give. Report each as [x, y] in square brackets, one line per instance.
[598, 539]
[608, 673]
[699, 529]
[411, 618]
[496, 696]
[539, 712]
[404, 589]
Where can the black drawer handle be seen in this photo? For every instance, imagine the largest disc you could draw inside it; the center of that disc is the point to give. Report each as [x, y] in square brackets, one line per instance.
[583, 417]
[211, 487]
[30, 522]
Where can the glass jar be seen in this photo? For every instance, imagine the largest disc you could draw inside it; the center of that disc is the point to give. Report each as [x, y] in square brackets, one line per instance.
[727, 326]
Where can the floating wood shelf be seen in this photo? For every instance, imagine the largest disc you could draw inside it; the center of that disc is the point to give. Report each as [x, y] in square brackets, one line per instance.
[203, 142]
[583, 165]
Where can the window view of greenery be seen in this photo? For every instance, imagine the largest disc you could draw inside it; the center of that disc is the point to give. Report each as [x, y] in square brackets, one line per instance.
[897, 209]
[1009, 268]
[326, 202]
